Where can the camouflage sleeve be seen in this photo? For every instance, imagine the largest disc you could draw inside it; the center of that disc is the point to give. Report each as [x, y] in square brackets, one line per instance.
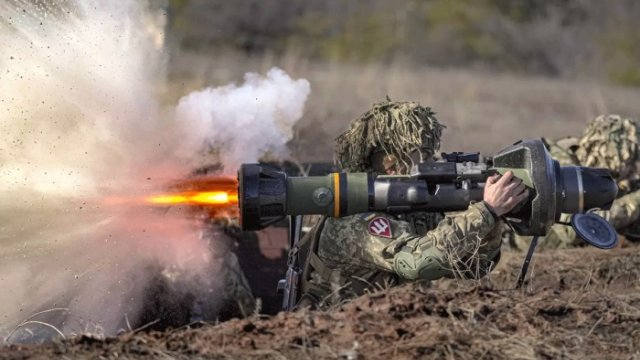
[624, 211]
[363, 241]
[561, 150]
[376, 241]
[466, 245]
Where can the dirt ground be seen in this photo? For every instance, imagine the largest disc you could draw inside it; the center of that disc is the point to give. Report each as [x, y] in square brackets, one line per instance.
[578, 304]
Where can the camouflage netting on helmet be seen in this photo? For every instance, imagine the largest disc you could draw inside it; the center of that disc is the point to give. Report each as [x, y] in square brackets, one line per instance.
[611, 142]
[397, 128]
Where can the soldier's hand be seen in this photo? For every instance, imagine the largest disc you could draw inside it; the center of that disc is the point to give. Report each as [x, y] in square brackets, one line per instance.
[503, 193]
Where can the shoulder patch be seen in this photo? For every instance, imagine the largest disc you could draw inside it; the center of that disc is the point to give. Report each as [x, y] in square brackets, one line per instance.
[380, 226]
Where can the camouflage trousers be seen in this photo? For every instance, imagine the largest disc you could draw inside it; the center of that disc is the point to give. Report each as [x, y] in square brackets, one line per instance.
[236, 285]
[559, 237]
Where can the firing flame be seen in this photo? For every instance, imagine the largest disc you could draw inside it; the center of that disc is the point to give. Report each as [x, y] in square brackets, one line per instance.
[195, 198]
[217, 196]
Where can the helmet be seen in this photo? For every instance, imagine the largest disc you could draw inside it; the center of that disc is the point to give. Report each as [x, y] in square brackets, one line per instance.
[611, 142]
[402, 129]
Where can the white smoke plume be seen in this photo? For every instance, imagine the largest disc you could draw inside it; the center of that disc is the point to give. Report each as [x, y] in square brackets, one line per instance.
[79, 122]
[243, 122]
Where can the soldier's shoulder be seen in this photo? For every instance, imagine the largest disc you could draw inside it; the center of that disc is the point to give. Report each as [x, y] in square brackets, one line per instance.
[361, 217]
[563, 149]
[569, 143]
[373, 225]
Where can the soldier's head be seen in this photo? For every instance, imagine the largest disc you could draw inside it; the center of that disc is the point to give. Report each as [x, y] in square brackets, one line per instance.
[611, 142]
[389, 138]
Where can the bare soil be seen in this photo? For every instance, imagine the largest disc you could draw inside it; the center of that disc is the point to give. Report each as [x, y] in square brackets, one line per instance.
[577, 304]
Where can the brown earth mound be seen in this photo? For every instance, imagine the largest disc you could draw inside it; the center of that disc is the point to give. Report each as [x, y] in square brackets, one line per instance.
[578, 304]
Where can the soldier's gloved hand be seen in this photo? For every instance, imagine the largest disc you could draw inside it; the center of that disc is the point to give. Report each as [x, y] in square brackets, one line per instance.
[503, 193]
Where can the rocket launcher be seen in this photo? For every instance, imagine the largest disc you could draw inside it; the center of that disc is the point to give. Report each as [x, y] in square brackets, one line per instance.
[266, 195]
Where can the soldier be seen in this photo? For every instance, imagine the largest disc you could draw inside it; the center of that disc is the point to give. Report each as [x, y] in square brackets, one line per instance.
[610, 142]
[221, 232]
[344, 257]
[219, 291]
[221, 235]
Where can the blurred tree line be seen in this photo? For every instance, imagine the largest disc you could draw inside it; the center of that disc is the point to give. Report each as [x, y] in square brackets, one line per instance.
[567, 38]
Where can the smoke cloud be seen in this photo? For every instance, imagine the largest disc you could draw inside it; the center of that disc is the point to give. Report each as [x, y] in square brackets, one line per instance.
[243, 122]
[79, 122]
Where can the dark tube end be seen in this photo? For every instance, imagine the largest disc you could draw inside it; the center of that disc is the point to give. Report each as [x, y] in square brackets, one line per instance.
[262, 195]
[600, 189]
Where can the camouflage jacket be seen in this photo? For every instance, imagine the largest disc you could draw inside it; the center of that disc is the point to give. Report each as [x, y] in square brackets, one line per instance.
[347, 256]
[623, 215]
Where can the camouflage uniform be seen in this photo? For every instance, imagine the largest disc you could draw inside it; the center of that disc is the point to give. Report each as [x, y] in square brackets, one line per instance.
[217, 291]
[220, 232]
[237, 293]
[611, 142]
[344, 257]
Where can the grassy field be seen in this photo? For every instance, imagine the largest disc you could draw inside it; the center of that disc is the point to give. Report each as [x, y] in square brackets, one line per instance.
[482, 111]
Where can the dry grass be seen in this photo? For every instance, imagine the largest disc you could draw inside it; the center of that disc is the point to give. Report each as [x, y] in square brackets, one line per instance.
[581, 304]
[482, 111]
